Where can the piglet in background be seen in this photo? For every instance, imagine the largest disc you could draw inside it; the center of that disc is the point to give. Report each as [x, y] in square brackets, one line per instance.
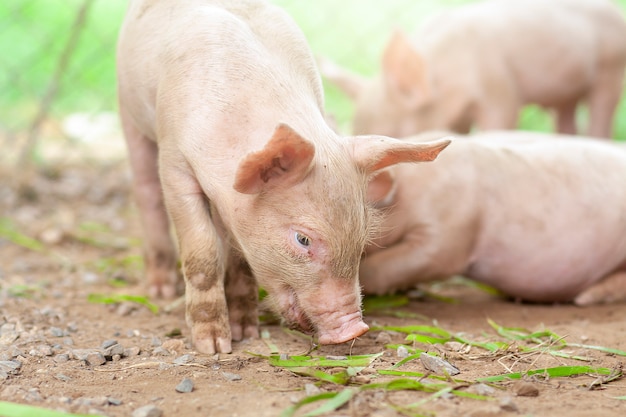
[539, 217]
[221, 105]
[479, 64]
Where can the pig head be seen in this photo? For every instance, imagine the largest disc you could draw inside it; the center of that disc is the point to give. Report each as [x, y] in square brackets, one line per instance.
[221, 106]
[479, 64]
[539, 217]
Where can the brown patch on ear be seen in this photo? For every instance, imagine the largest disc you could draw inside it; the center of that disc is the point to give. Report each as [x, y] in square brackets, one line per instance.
[403, 67]
[285, 159]
[380, 189]
[373, 153]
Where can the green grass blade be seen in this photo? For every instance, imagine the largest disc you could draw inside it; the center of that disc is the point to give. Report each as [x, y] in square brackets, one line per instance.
[308, 361]
[558, 371]
[333, 404]
[490, 346]
[118, 298]
[599, 348]
[429, 335]
[374, 303]
[9, 232]
[8, 409]
[308, 400]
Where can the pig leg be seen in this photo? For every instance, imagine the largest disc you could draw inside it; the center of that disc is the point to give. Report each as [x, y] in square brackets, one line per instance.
[159, 250]
[395, 268]
[566, 118]
[502, 116]
[242, 298]
[202, 255]
[610, 290]
[603, 101]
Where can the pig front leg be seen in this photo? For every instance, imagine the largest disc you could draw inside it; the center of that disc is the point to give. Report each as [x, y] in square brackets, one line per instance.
[611, 289]
[242, 298]
[160, 254]
[394, 268]
[603, 100]
[202, 255]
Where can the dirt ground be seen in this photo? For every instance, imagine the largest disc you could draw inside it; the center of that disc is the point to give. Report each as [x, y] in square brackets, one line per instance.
[84, 216]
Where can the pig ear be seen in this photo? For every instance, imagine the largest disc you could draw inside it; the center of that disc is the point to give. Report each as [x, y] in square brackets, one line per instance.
[348, 82]
[381, 188]
[285, 160]
[373, 153]
[403, 68]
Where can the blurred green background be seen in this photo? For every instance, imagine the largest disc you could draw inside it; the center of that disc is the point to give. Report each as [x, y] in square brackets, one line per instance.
[58, 59]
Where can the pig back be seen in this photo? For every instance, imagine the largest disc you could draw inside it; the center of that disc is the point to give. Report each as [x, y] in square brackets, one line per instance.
[209, 57]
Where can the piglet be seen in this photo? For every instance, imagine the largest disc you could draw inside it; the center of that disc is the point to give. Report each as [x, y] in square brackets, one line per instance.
[479, 64]
[221, 106]
[540, 217]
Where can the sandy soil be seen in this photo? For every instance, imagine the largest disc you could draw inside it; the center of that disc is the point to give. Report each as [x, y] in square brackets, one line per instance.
[89, 228]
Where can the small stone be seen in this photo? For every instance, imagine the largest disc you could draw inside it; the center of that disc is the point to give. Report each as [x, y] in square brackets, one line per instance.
[311, 389]
[231, 377]
[174, 346]
[526, 389]
[114, 401]
[108, 343]
[185, 386]
[383, 338]
[160, 351]
[10, 366]
[125, 309]
[115, 349]
[62, 358]
[148, 411]
[116, 358]
[361, 379]
[56, 332]
[62, 377]
[507, 404]
[482, 389]
[156, 341]
[131, 351]
[437, 365]
[183, 359]
[402, 352]
[95, 359]
[68, 341]
[33, 395]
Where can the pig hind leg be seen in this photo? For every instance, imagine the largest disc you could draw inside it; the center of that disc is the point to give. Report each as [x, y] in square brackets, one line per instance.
[566, 118]
[603, 100]
[159, 249]
[202, 254]
[610, 290]
[241, 297]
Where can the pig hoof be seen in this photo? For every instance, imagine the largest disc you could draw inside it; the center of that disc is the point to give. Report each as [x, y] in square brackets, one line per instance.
[167, 291]
[240, 332]
[211, 346]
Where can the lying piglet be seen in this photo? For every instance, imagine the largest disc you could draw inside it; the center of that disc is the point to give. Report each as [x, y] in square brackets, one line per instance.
[479, 64]
[539, 217]
[221, 106]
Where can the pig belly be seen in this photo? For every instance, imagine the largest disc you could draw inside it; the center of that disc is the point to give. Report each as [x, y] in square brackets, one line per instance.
[548, 271]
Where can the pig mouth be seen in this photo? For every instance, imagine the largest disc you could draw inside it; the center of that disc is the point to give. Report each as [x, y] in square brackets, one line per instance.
[295, 316]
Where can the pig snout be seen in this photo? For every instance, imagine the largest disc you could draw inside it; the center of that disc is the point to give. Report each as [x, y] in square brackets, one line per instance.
[335, 318]
[347, 327]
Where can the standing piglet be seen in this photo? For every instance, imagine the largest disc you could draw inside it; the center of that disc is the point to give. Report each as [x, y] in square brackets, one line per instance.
[480, 64]
[221, 106]
[540, 217]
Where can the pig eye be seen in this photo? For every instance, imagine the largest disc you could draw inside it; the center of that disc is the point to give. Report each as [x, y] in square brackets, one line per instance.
[303, 240]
